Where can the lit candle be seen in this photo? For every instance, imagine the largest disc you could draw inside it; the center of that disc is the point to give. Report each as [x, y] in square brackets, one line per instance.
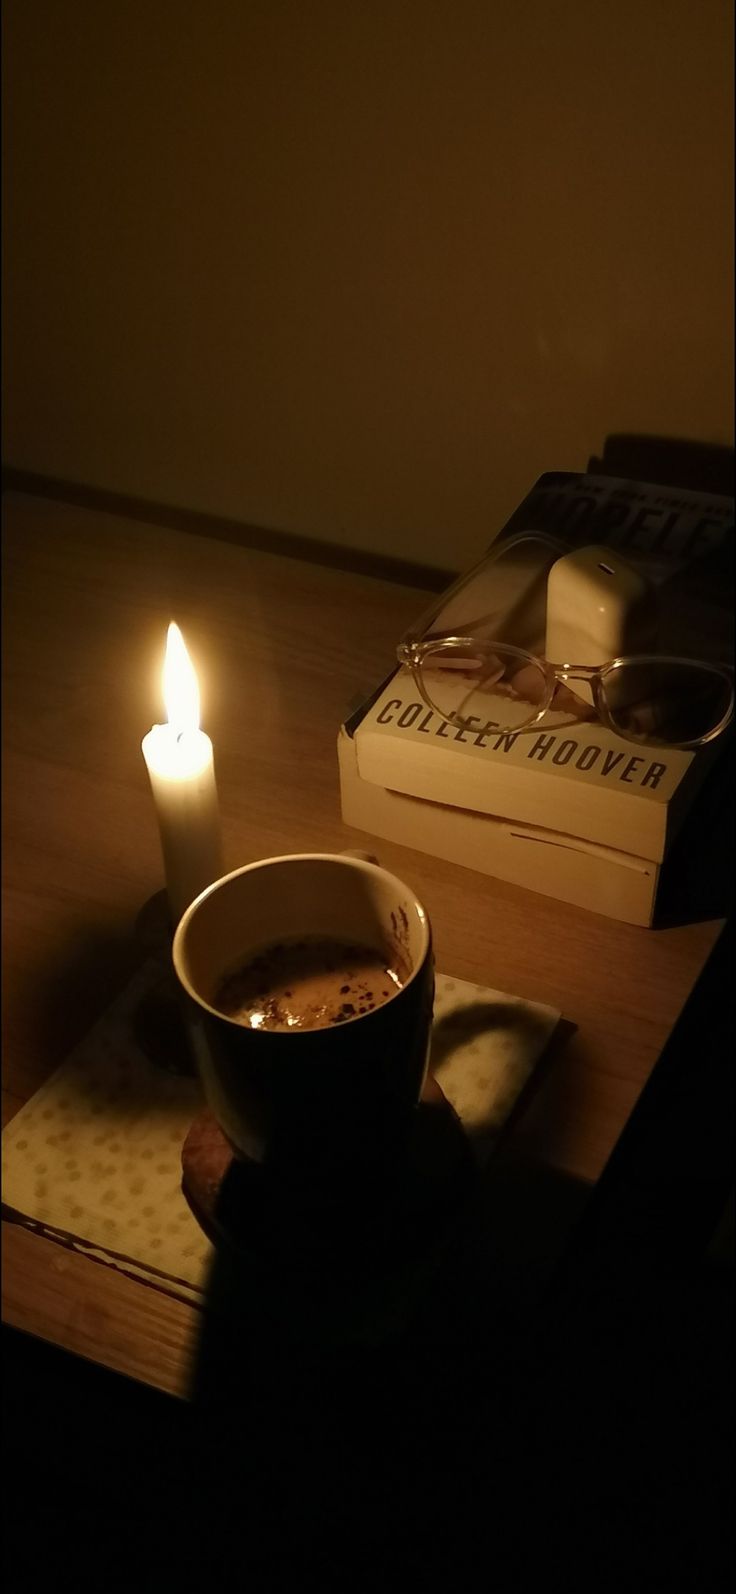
[182, 773]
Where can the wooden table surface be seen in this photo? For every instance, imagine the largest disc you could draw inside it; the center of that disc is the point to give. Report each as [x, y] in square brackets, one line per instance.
[282, 647]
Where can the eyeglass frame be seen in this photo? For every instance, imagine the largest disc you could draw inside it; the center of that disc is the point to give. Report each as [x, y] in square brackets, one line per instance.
[415, 645]
[562, 674]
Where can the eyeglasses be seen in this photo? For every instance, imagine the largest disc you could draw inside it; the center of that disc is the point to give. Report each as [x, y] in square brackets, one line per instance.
[470, 673]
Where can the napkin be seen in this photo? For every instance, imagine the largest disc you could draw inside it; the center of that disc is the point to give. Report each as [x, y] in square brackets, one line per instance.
[93, 1160]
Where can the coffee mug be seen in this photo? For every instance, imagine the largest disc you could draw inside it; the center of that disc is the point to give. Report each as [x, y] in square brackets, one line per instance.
[327, 1109]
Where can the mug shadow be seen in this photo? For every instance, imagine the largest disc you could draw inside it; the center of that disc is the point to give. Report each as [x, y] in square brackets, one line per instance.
[333, 1279]
[357, 1421]
[270, 1272]
[317, 1399]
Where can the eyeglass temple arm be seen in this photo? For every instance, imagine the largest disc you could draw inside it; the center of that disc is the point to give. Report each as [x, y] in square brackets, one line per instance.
[495, 552]
[412, 642]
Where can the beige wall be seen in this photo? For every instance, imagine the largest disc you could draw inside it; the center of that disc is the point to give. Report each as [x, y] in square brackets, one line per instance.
[358, 269]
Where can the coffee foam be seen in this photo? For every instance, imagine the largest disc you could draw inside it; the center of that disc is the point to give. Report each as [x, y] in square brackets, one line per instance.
[310, 983]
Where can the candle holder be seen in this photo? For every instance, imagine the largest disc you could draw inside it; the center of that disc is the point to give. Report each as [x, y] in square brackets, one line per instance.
[154, 930]
[159, 1025]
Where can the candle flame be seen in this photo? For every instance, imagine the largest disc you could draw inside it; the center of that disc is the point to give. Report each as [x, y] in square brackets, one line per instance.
[181, 692]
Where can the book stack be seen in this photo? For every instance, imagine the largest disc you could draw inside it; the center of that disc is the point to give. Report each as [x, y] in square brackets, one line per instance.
[570, 810]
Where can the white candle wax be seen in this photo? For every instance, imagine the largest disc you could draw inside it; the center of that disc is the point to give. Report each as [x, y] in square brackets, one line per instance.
[181, 768]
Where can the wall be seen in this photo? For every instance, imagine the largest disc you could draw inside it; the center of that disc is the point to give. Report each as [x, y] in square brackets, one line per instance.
[362, 270]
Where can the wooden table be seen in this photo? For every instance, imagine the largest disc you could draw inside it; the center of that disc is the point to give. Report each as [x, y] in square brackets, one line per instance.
[282, 646]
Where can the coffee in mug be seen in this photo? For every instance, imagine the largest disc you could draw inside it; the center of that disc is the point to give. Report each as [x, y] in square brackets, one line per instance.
[318, 1085]
[309, 983]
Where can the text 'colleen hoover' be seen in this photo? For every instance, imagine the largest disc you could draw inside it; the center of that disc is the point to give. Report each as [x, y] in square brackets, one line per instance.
[546, 745]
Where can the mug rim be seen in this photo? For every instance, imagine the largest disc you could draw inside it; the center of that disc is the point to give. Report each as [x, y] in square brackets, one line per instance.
[361, 864]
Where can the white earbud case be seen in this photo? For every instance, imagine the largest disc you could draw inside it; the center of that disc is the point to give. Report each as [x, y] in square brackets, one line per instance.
[598, 608]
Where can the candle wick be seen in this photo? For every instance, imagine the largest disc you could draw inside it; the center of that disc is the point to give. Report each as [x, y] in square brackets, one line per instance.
[179, 735]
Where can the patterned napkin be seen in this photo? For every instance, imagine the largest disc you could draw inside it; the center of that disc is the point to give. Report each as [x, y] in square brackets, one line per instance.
[94, 1158]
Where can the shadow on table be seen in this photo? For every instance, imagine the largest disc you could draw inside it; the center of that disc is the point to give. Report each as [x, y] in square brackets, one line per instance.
[697, 880]
[531, 1418]
[554, 1410]
[381, 1418]
[75, 990]
[578, 1440]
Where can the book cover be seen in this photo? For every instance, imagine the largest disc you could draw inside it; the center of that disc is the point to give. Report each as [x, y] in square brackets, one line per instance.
[570, 775]
[617, 884]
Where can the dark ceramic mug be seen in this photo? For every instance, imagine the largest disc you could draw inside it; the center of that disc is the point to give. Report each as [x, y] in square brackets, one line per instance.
[328, 1109]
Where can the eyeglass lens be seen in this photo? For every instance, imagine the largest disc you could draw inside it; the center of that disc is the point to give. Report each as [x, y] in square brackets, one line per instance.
[667, 701]
[489, 687]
